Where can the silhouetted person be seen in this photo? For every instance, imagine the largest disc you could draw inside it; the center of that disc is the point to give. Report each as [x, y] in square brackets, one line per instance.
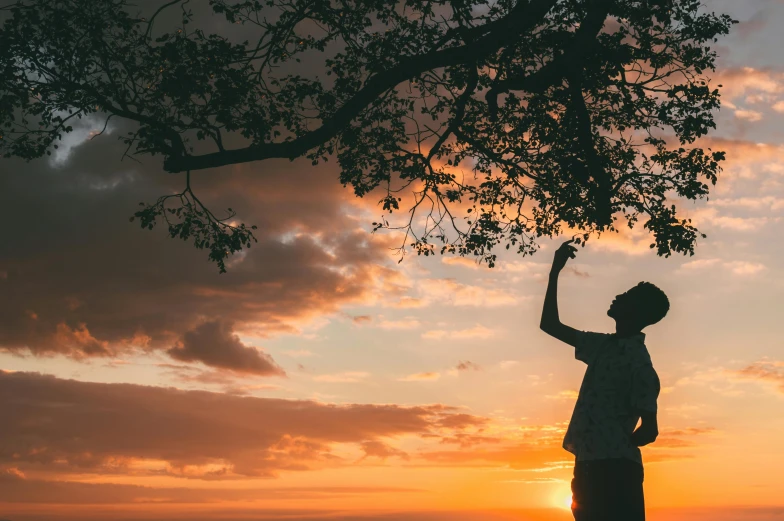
[619, 388]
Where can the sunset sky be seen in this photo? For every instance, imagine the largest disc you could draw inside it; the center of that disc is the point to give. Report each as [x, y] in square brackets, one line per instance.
[320, 378]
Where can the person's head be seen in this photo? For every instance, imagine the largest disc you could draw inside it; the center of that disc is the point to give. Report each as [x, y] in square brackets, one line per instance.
[641, 306]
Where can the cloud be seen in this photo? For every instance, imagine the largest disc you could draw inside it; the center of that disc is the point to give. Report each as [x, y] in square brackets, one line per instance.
[681, 438]
[16, 490]
[745, 159]
[630, 241]
[766, 371]
[229, 382]
[214, 344]
[464, 262]
[744, 267]
[765, 203]
[477, 331]
[345, 377]
[763, 84]
[89, 283]
[78, 340]
[466, 440]
[700, 264]
[748, 115]
[61, 425]
[379, 449]
[467, 365]
[450, 292]
[711, 216]
[741, 268]
[298, 353]
[520, 456]
[576, 272]
[727, 381]
[404, 323]
[568, 394]
[420, 377]
[462, 421]
[409, 302]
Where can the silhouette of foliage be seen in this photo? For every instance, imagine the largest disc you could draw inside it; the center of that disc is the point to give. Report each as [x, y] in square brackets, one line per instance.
[576, 113]
[190, 218]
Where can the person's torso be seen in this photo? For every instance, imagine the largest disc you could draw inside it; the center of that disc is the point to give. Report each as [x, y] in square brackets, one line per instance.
[603, 418]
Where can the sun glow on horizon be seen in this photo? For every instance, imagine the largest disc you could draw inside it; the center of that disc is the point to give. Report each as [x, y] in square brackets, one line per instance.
[564, 500]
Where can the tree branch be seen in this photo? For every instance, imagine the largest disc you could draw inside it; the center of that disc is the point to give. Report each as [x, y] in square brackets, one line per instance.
[460, 106]
[593, 167]
[554, 70]
[523, 17]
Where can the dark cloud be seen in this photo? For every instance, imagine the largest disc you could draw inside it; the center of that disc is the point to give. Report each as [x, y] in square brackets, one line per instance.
[467, 365]
[54, 424]
[379, 449]
[16, 488]
[232, 513]
[461, 421]
[77, 278]
[576, 272]
[214, 344]
[230, 382]
[469, 440]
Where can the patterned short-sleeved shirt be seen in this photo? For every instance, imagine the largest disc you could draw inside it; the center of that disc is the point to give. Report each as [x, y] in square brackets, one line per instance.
[620, 380]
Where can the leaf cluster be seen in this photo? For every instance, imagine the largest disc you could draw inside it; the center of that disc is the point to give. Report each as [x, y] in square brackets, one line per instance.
[503, 121]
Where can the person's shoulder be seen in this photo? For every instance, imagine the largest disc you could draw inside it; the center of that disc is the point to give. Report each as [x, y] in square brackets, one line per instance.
[638, 352]
[594, 336]
[588, 344]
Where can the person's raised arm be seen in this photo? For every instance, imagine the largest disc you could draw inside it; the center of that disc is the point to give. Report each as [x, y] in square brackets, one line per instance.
[551, 323]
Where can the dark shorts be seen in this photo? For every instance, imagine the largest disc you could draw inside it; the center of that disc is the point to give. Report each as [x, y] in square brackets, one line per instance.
[608, 490]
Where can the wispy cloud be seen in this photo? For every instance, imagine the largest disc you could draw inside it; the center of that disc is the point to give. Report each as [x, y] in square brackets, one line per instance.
[452, 292]
[736, 267]
[767, 371]
[711, 216]
[403, 323]
[748, 115]
[568, 394]
[477, 331]
[214, 343]
[764, 203]
[344, 377]
[421, 377]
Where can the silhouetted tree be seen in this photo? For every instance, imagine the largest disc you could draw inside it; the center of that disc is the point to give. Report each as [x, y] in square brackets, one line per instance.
[569, 112]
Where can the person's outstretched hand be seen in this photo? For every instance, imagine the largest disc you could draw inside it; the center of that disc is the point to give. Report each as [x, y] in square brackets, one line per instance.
[565, 252]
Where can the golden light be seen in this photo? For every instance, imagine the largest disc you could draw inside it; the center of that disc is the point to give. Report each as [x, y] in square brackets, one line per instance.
[561, 497]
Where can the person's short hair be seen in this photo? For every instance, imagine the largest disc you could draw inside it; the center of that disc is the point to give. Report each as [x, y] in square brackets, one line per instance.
[653, 303]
